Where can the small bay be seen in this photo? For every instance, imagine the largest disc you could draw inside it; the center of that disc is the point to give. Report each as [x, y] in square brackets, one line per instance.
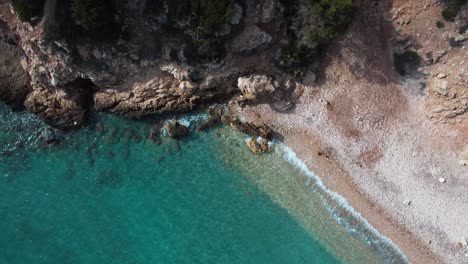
[108, 194]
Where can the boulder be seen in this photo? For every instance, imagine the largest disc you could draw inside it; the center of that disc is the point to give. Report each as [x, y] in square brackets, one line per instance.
[258, 146]
[255, 86]
[211, 122]
[440, 86]
[176, 130]
[251, 39]
[260, 130]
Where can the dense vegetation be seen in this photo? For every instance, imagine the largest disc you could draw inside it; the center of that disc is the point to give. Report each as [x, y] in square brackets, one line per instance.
[452, 9]
[92, 14]
[316, 22]
[201, 19]
[27, 9]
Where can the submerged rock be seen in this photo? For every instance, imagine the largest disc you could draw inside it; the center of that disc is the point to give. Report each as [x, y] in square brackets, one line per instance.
[259, 146]
[176, 130]
[211, 122]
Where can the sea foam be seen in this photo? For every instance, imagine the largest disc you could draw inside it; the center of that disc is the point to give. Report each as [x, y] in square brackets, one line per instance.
[333, 203]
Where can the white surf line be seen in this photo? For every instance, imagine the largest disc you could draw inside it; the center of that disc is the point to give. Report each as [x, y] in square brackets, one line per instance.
[291, 157]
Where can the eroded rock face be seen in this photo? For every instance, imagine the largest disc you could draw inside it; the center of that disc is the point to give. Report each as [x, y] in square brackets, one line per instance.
[255, 86]
[64, 108]
[14, 81]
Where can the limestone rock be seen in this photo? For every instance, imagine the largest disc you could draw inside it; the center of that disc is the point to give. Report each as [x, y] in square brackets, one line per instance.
[251, 39]
[255, 86]
[440, 86]
[57, 112]
[176, 130]
[258, 146]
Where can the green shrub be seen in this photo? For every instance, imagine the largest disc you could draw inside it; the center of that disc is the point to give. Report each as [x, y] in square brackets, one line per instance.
[463, 29]
[92, 14]
[453, 7]
[294, 59]
[315, 23]
[406, 62]
[440, 24]
[203, 17]
[27, 9]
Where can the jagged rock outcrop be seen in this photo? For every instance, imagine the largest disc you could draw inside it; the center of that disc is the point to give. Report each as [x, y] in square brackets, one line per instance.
[66, 107]
[176, 130]
[258, 146]
[258, 130]
[14, 81]
[255, 86]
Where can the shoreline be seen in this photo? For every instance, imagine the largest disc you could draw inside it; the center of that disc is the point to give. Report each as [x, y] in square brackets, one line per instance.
[337, 180]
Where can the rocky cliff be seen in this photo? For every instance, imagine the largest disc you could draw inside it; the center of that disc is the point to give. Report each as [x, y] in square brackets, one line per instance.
[144, 61]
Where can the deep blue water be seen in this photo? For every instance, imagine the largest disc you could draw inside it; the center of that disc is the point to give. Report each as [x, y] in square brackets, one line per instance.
[107, 194]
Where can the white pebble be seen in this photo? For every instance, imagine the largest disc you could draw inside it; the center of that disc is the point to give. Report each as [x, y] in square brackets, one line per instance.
[442, 180]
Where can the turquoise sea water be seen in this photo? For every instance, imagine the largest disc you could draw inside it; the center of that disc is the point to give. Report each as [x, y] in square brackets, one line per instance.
[107, 194]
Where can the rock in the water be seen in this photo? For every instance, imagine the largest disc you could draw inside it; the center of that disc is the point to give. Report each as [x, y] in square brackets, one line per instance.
[261, 130]
[258, 146]
[251, 39]
[63, 111]
[255, 86]
[211, 122]
[155, 131]
[176, 130]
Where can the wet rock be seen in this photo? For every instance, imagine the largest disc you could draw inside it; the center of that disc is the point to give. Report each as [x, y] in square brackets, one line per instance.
[258, 146]
[176, 130]
[155, 132]
[211, 122]
[261, 130]
[251, 39]
[48, 136]
[255, 86]
[67, 109]
[14, 81]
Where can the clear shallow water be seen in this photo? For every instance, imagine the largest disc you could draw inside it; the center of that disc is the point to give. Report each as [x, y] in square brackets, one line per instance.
[112, 196]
